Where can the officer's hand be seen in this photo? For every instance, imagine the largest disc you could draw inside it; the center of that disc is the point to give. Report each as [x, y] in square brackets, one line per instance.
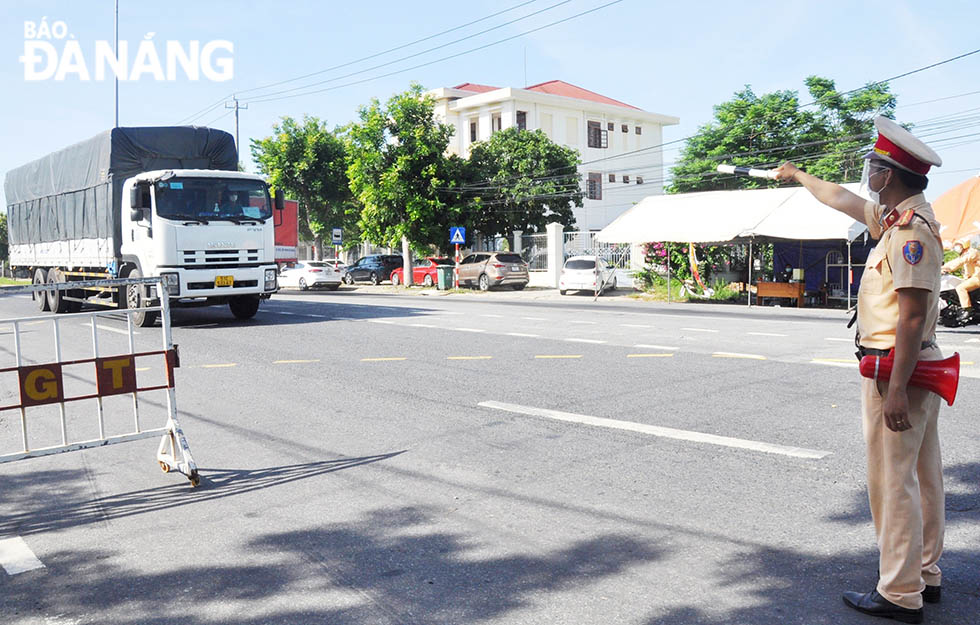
[896, 409]
[786, 171]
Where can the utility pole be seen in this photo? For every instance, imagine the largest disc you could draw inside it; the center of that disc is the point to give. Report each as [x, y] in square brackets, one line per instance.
[115, 51]
[235, 104]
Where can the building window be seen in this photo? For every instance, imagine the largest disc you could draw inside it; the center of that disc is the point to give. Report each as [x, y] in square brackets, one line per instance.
[639, 130]
[594, 191]
[522, 120]
[496, 123]
[598, 138]
[626, 128]
[473, 131]
[639, 180]
[626, 179]
[612, 177]
[610, 126]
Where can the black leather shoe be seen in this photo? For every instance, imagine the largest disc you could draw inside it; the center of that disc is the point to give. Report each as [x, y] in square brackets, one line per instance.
[932, 594]
[874, 604]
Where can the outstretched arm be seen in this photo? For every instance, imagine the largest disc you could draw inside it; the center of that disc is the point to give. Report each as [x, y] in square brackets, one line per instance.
[829, 193]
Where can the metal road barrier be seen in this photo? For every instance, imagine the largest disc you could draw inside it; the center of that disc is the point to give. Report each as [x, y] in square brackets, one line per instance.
[112, 374]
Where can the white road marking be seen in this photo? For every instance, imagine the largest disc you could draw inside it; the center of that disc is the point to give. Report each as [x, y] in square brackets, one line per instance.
[109, 328]
[534, 318]
[493, 316]
[834, 338]
[835, 362]
[737, 355]
[973, 340]
[317, 316]
[766, 334]
[588, 323]
[469, 329]
[422, 325]
[699, 330]
[646, 346]
[663, 432]
[384, 321]
[283, 312]
[530, 336]
[16, 557]
[635, 325]
[595, 341]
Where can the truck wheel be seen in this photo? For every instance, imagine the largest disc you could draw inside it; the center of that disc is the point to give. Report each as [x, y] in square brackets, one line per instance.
[244, 306]
[40, 297]
[136, 298]
[56, 301]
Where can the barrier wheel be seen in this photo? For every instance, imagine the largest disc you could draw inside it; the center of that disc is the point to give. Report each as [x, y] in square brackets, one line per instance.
[164, 466]
[195, 479]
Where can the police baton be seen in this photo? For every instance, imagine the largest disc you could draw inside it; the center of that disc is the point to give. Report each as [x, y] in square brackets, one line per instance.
[747, 171]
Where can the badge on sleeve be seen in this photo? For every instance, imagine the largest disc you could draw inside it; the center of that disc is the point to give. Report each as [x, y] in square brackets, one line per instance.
[912, 252]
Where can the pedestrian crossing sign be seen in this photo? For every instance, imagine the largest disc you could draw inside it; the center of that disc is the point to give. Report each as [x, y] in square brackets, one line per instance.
[457, 235]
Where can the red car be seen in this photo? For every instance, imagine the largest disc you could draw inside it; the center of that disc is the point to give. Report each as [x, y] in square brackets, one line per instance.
[423, 271]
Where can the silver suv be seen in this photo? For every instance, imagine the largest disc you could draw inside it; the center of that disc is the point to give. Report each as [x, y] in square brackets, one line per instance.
[490, 269]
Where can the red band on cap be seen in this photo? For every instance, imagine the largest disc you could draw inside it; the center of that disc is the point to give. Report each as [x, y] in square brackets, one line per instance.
[900, 156]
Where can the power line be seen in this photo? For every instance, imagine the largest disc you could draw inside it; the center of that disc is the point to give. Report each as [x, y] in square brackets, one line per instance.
[262, 96]
[439, 60]
[214, 105]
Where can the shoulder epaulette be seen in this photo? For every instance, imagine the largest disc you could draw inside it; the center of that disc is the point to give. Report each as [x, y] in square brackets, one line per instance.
[905, 218]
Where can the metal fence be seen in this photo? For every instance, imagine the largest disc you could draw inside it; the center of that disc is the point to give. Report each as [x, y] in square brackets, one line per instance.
[585, 244]
[534, 250]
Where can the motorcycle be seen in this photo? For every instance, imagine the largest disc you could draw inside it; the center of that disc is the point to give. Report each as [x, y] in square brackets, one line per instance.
[951, 314]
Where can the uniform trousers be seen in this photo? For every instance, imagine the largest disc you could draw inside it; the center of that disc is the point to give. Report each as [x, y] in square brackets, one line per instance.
[963, 291]
[905, 489]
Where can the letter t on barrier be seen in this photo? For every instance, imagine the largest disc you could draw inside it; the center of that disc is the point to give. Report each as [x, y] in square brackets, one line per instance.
[115, 375]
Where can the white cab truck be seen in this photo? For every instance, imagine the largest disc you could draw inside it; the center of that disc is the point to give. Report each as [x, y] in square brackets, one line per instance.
[139, 202]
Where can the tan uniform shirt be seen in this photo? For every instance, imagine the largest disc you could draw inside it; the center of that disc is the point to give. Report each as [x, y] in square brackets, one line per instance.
[907, 256]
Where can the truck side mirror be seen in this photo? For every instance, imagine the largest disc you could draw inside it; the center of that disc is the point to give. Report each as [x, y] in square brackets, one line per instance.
[136, 214]
[135, 197]
[280, 199]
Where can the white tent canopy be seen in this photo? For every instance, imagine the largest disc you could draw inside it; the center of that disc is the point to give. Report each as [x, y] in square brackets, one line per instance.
[719, 216]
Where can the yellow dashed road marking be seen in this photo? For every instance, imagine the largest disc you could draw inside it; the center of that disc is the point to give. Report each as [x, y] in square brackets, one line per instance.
[220, 366]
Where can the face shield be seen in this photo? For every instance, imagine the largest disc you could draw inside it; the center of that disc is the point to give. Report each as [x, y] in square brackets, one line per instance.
[874, 179]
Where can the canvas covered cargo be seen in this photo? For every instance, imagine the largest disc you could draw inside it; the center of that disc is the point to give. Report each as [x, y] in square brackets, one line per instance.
[75, 193]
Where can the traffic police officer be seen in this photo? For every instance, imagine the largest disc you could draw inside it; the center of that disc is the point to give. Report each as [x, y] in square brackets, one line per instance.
[969, 260]
[897, 308]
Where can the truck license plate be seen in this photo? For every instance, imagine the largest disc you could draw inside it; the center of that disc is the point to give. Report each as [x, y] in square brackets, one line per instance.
[224, 281]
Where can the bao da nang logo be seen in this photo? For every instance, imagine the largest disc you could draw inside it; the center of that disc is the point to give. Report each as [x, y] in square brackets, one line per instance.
[51, 52]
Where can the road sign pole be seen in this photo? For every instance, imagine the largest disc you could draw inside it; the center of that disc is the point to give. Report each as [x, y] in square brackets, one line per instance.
[456, 269]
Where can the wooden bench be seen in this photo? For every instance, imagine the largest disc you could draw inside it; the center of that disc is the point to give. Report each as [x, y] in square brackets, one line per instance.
[792, 290]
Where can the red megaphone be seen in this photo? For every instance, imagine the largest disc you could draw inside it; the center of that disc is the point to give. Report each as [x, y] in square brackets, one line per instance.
[942, 377]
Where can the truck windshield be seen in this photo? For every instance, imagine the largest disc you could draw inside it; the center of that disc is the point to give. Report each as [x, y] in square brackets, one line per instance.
[207, 199]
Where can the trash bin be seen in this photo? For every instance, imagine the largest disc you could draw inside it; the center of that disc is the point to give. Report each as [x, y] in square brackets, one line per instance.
[444, 277]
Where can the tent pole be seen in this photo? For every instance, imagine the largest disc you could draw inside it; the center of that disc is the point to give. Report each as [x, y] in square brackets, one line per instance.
[748, 287]
[849, 273]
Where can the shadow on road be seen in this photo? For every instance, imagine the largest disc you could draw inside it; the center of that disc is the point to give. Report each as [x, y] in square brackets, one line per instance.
[389, 566]
[74, 505]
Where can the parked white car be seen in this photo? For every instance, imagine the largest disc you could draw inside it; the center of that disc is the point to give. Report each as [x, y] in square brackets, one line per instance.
[310, 274]
[586, 273]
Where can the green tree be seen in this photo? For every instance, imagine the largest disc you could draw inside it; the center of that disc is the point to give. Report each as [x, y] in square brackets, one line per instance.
[400, 173]
[308, 161]
[521, 180]
[826, 139]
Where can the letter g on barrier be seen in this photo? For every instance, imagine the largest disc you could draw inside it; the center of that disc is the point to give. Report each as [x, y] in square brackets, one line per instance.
[41, 384]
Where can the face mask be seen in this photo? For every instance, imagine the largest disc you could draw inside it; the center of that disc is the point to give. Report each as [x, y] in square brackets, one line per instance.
[876, 195]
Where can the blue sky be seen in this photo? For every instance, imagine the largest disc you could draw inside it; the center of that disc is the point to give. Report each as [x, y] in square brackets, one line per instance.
[676, 58]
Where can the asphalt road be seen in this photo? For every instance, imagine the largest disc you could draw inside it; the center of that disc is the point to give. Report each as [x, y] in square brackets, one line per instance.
[372, 456]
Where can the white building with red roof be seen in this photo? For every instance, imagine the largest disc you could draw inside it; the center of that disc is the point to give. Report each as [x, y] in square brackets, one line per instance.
[620, 144]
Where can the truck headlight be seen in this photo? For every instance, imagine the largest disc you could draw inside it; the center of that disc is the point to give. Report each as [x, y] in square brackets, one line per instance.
[171, 281]
[270, 279]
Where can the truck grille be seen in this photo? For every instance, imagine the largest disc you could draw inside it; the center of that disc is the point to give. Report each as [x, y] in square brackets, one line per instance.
[206, 259]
